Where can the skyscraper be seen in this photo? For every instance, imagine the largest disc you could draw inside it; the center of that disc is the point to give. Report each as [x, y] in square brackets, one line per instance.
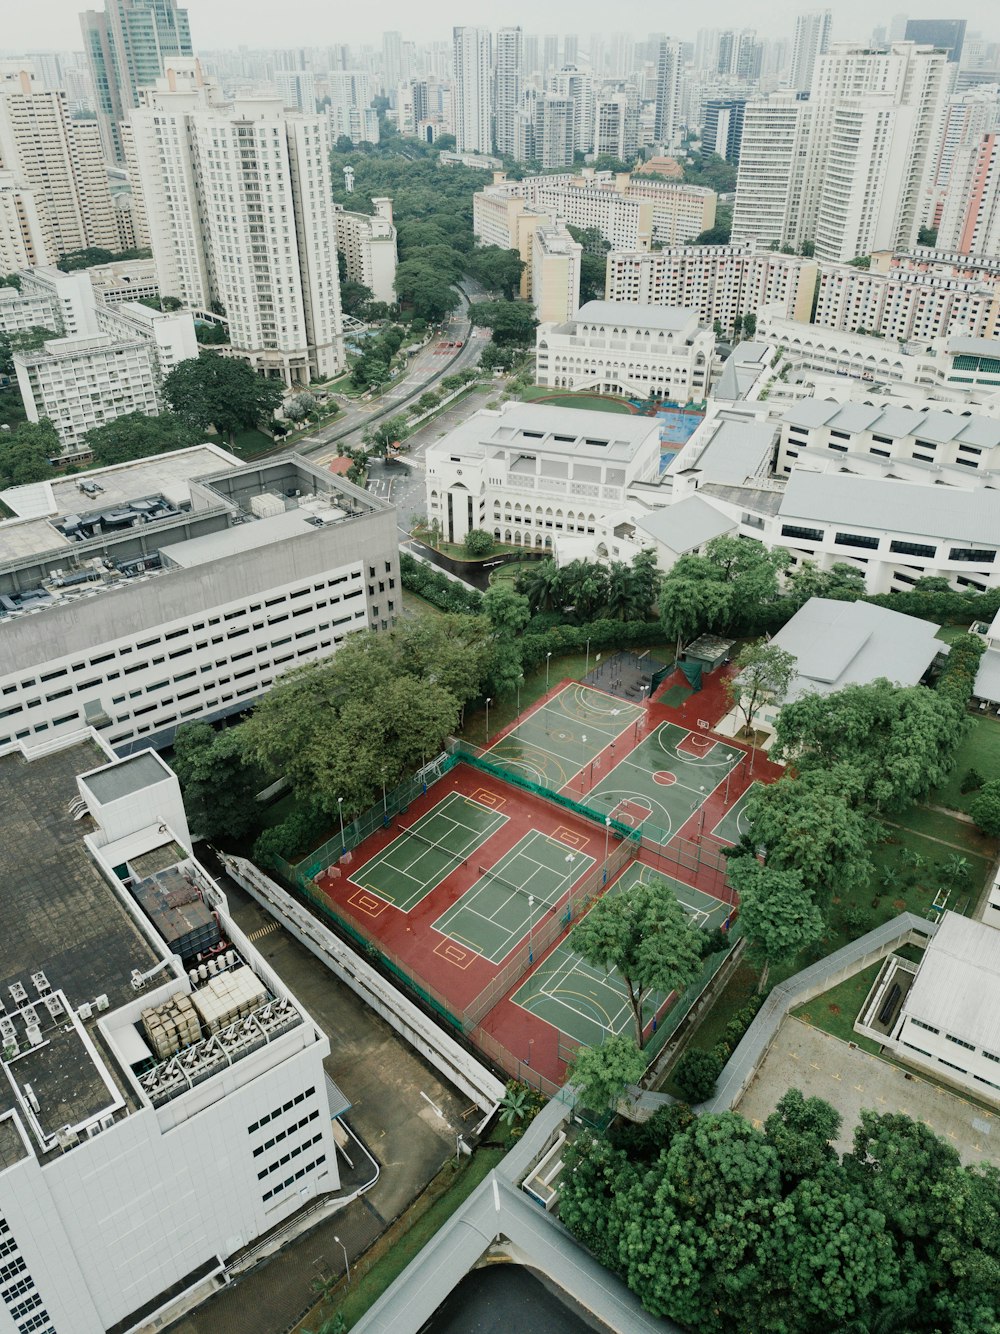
[473, 89]
[668, 91]
[126, 46]
[946, 35]
[578, 87]
[812, 40]
[509, 81]
[722, 127]
[240, 215]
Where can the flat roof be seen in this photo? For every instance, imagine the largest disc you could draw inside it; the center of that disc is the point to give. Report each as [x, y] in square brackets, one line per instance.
[957, 986]
[686, 524]
[126, 776]
[727, 450]
[636, 315]
[541, 428]
[893, 506]
[244, 537]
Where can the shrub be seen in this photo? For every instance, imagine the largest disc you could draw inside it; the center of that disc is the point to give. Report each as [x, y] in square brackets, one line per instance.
[696, 1074]
[971, 782]
[478, 542]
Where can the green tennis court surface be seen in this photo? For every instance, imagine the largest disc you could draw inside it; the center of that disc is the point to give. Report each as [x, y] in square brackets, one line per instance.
[510, 898]
[426, 852]
[564, 735]
[733, 824]
[586, 1003]
[664, 780]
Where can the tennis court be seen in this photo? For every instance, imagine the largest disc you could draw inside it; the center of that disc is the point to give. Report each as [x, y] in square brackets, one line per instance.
[561, 737]
[585, 1002]
[426, 852]
[665, 779]
[510, 898]
[733, 824]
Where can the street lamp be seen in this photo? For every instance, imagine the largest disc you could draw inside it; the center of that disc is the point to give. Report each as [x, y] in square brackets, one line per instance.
[343, 841]
[347, 1263]
[531, 922]
[489, 701]
[587, 672]
[547, 657]
[607, 839]
[583, 759]
[385, 804]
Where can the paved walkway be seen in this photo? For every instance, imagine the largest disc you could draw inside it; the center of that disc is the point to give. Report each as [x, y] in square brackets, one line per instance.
[822, 1066]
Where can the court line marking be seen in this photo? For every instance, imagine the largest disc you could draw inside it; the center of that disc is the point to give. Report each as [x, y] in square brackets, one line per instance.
[454, 953]
[369, 902]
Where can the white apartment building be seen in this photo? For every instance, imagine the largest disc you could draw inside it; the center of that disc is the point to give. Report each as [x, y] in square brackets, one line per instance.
[680, 212]
[849, 169]
[555, 274]
[970, 214]
[616, 126]
[719, 282]
[88, 379]
[965, 118]
[124, 280]
[625, 223]
[812, 40]
[509, 83]
[577, 87]
[23, 239]
[635, 351]
[137, 1159]
[473, 89]
[368, 244]
[137, 597]
[351, 111]
[531, 474]
[669, 77]
[60, 161]
[297, 89]
[69, 296]
[878, 439]
[238, 200]
[903, 304]
[550, 131]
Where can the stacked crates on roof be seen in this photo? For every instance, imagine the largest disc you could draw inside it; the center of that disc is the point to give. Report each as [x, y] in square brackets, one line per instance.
[228, 997]
[172, 1026]
[173, 903]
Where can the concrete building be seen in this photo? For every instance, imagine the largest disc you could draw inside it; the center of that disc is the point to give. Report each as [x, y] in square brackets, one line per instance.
[555, 274]
[719, 282]
[23, 240]
[59, 160]
[722, 127]
[680, 211]
[88, 379]
[812, 40]
[128, 45]
[297, 89]
[902, 304]
[669, 73]
[849, 169]
[473, 111]
[124, 280]
[238, 199]
[966, 117]
[509, 83]
[164, 1102]
[947, 35]
[122, 592]
[630, 350]
[552, 131]
[368, 245]
[531, 474]
[616, 126]
[970, 212]
[577, 87]
[351, 111]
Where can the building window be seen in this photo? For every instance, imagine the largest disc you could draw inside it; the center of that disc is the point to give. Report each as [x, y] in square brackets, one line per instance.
[911, 548]
[972, 554]
[804, 534]
[856, 540]
[919, 1023]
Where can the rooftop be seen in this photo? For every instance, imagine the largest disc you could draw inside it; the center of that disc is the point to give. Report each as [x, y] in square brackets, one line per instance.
[727, 450]
[837, 644]
[896, 422]
[123, 778]
[635, 315]
[539, 428]
[894, 506]
[687, 524]
[957, 987]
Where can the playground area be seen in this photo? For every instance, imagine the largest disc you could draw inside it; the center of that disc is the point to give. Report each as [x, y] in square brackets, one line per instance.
[469, 889]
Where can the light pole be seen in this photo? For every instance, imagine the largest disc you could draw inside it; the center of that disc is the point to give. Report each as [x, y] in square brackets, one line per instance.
[343, 841]
[583, 762]
[489, 701]
[547, 657]
[607, 840]
[587, 672]
[531, 923]
[347, 1263]
[385, 804]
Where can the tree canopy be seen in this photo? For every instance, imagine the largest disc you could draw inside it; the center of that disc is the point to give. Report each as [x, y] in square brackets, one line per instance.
[136, 436]
[25, 453]
[513, 322]
[210, 390]
[218, 780]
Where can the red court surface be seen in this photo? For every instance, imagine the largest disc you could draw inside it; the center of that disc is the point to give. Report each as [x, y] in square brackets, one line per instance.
[524, 1044]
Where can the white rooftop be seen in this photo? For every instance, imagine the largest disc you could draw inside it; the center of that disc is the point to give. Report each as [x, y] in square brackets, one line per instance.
[891, 506]
[957, 986]
[635, 315]
[244, 537]
[538, 428]
[727, 450]
[686, 525]
[837, 644]
[896, 423]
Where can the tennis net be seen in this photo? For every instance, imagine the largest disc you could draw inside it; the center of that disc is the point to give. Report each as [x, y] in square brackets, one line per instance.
[486, 874]
[450, 853]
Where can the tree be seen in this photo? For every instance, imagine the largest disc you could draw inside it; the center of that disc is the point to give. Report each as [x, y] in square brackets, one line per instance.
[985, 808]
[383, 434]
[479, 542]
[218, 781]
[135, 436]
[210, 390]
[540, 584]
[842, 583]
[498, 270]
[429, 294]
[602, 1074]
[927, 236]
[777, 913]
[751, 570]
[749, 324]
[647, 936]
[764, 674]
[300, 406]
[696, 1074]
[354, 296]
[692, 599]
[802, 1131]
[513, 322]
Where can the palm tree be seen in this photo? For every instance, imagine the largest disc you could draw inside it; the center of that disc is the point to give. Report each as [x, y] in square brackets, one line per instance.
[541, 585]
[915, 858]
[625, 594]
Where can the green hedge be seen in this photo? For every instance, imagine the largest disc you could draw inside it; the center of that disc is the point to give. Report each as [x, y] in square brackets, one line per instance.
[437, 588]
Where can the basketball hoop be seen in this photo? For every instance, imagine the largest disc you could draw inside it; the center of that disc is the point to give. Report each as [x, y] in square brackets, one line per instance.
[704, 724]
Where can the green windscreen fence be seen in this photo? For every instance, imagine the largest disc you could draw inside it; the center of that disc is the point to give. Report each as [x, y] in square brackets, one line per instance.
[692, 672]
[660, 676]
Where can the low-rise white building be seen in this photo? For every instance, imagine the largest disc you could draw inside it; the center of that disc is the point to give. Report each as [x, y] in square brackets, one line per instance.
[368, 244]
[619, 347]
[531, 473]
[137, 597]
[163, 1103]
[124, 280]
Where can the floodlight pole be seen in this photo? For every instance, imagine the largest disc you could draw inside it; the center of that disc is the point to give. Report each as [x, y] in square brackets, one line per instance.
[385, 804]
[587, 672]
[547, 657]
[343, 841]
[347, 1263]
[531, 922]
[489, 701]
[607, 840]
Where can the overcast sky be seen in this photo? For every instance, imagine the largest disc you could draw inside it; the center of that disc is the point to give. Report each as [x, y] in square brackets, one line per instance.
[54, 24]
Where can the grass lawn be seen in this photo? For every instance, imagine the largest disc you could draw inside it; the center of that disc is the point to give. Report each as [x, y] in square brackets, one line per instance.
[509, 572]
[980, 751]
[250, 442]
[376, 1271]
[836, 1010]
[594, 402]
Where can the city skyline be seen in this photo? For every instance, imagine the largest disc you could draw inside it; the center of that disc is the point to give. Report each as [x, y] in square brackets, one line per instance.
[228, 24]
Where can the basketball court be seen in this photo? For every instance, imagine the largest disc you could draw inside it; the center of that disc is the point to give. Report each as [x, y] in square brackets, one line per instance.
[511, 897]
[585, 1002]
[564, 735]
[425, 853]
[665, 779]
[733, 824]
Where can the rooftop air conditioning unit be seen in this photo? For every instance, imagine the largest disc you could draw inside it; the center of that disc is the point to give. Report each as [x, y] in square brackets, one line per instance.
[85, 1010]
[102, 1002]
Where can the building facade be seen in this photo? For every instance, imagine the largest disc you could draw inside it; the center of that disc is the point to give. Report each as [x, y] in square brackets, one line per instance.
[903, 304]
[509, 81]
[722, 127]
[555, 274]
[368, 245]
[634, 351]
[180, 587]
[473, 110]
[812, 40]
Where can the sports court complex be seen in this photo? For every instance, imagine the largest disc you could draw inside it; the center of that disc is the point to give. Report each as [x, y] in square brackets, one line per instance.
[470, 891]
